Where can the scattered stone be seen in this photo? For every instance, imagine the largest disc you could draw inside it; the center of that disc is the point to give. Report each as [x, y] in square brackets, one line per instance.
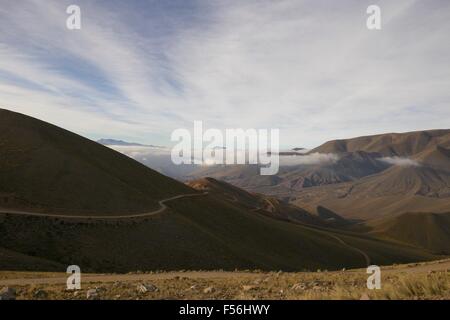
[194, 287]
[317, 288]
[364, 297]
[40, 294]
[119, 284]
[100, 289]
[209, 290]
[92, 294]
[146, 287]
[248, 288]
[299, 286]
[8, 293]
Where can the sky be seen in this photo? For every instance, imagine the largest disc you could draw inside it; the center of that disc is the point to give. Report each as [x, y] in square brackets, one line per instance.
[137, 70]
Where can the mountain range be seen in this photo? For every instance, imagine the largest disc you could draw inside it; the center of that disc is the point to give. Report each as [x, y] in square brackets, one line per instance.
[66, 200]
[372, 181]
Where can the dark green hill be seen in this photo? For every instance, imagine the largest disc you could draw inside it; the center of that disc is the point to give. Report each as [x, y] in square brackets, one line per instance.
[427, 230]
[199, 233]
[46, 168]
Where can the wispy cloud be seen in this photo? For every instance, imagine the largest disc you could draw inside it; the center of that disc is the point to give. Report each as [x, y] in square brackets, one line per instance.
[138, 70]
[136, 152]
[399, 161]
[309, 159]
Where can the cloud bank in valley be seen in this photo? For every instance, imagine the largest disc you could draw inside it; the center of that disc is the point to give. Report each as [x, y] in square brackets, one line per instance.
[160, 157]
[141, 151]
[309, 159]
[399, 161]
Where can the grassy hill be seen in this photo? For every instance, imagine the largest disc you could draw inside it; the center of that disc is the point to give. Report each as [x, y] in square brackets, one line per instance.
[267, 205]
[202, 233]
[46, 168]
[426, 230]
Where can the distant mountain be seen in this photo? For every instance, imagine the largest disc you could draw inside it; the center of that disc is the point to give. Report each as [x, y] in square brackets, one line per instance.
[390, 144]
[437, 157]
[397, 190]
[349, 166]
[292, 152]
[113, 142]
[369, 176]
[420, 184]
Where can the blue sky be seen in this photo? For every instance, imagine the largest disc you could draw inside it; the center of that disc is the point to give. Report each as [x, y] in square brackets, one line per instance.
[137, 70]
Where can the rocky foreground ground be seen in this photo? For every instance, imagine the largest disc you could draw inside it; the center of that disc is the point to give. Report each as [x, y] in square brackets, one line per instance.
[413, 281]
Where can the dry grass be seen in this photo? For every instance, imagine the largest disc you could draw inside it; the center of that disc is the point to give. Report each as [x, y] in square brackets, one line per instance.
[349, 285]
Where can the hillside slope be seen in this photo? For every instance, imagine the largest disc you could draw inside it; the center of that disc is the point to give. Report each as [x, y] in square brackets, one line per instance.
[259, 203]
[389, 144]
[394, 191]
[46, 168]
[426, 230]
[201, 233]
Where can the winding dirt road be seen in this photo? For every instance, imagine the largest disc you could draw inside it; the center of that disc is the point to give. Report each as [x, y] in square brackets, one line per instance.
[365, 255]
[162, 204]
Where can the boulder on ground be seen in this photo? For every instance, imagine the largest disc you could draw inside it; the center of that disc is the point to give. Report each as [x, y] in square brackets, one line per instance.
[92, 294]
[208, 290]
[146, 287]
[8, 293]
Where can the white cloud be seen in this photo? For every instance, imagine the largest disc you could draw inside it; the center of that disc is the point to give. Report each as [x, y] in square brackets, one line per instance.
[309, 159]
[398, 161]
[141, 151]
[310, 68]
